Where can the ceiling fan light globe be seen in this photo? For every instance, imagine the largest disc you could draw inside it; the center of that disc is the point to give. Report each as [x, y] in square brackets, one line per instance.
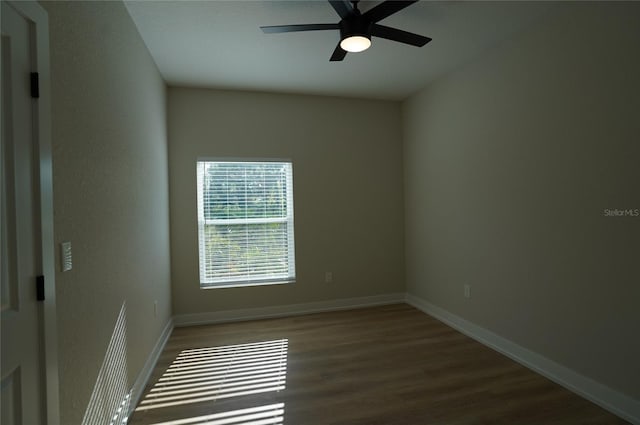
[355, 43]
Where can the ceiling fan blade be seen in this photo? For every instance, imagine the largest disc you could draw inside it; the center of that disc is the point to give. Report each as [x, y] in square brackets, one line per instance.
[386, 9]
[341, 7]
[399, 35]
[338, 54]
[273, 29]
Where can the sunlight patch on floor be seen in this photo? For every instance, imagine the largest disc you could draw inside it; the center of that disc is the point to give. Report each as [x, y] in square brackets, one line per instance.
[261, 415]
[214, 373]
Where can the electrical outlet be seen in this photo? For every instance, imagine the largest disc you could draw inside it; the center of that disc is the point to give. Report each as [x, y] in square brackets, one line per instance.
[328, 277]
[467, 290]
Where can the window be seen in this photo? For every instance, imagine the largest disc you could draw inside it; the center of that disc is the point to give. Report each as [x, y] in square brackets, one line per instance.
[245, 223]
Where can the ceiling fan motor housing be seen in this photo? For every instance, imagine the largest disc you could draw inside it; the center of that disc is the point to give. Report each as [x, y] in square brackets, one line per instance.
[355, 25]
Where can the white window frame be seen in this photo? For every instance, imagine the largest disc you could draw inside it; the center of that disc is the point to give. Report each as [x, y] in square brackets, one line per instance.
[290, 276]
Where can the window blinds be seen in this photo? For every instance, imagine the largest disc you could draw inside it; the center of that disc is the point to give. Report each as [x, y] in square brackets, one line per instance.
[245, 222]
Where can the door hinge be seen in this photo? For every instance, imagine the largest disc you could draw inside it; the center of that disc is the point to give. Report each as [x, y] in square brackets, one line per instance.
[35, 85]
[40, 288]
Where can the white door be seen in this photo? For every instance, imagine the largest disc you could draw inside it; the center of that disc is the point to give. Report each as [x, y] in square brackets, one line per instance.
[20, 263]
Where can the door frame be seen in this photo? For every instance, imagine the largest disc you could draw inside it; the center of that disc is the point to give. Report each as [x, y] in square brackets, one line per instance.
[35, 13]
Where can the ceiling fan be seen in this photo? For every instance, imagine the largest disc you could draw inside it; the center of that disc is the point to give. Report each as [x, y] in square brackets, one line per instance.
[356, 29]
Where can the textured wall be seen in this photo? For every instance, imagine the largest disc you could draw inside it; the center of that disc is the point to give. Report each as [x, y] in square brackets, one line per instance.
[347, 173]
[110, 191]
[510, 164]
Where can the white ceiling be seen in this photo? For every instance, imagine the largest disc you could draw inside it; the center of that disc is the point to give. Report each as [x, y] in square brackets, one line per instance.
[219, 44]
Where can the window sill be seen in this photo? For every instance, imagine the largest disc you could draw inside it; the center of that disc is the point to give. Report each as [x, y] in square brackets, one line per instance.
[244, 285]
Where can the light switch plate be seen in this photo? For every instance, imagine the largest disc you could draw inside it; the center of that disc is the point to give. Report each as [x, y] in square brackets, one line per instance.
[65, 256]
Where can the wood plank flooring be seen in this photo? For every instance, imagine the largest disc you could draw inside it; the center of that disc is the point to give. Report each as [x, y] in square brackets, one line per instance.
[391, 365]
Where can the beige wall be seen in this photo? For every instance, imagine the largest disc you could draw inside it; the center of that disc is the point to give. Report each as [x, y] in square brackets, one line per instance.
[509, 165]
[347, 158]
[110, 191]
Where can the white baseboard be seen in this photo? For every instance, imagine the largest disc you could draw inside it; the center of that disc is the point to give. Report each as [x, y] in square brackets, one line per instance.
[609, 399]
[144, 375]
[286, 310]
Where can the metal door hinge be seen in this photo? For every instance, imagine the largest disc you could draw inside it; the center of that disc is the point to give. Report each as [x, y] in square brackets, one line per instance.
[40, 288]
[35, 85]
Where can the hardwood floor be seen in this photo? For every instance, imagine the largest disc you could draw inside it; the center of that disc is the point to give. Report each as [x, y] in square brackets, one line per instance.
[382, 365]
